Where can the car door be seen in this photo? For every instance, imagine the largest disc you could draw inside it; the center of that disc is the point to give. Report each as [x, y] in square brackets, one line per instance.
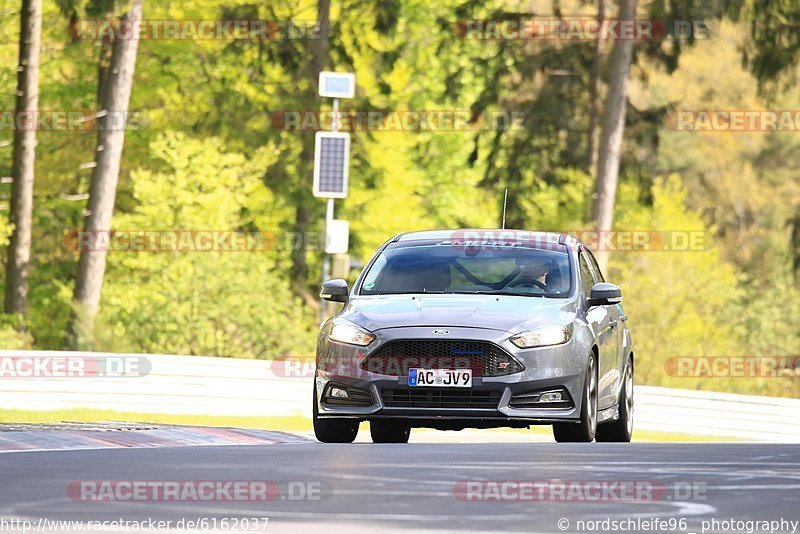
[604, 321]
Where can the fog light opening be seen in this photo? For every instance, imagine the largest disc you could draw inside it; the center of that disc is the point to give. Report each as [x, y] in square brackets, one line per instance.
[338, 393]
[551, 396]
[551, 399]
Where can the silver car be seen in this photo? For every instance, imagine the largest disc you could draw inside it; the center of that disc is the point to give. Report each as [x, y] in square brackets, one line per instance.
[480, 329]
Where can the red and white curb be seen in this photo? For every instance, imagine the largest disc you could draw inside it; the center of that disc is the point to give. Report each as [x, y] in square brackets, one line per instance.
[111, 435]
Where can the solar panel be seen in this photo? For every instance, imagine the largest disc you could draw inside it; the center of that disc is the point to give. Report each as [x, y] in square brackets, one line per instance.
[331, 164]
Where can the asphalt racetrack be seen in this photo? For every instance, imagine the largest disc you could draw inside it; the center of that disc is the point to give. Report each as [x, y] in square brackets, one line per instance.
[422, 487]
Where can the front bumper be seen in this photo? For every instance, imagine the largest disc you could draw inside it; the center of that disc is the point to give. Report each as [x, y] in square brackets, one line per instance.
[545, 369]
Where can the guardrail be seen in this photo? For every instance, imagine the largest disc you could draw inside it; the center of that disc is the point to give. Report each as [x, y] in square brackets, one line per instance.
[195, 385]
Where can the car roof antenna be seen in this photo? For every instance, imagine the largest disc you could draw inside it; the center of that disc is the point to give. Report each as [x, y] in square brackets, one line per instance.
[505, 199]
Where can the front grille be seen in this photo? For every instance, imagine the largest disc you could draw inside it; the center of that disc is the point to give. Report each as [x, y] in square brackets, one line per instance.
[395, 358]
[440, 398]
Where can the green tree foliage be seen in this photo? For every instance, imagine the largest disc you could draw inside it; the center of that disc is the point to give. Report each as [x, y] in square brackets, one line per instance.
[681, 302]
[223, 303]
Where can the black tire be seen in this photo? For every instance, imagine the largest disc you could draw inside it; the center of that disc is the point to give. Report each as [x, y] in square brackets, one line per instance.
[333, 430]
[621, 430]
[583, 431]
[389, 431]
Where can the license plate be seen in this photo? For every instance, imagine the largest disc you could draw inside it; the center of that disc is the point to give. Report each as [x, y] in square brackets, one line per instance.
[440, 378]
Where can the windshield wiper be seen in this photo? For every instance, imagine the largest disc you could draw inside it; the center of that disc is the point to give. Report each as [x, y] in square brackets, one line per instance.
[406, 292]
[500, 293]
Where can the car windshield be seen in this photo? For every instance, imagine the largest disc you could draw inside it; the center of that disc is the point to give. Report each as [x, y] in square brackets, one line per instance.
[445, 268]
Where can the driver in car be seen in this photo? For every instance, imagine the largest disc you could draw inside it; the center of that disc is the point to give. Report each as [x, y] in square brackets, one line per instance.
[532, 274]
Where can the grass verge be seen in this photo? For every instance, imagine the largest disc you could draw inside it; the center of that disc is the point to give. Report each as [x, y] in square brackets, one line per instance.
[289, 423]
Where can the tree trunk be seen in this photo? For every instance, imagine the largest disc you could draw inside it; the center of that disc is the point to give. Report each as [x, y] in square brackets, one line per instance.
[794, 224]
[319, 47]
[302, 220]
[319, 56]
[613, 129]
[103, 70]
[103, 189]
[21, 207]
[594, 95]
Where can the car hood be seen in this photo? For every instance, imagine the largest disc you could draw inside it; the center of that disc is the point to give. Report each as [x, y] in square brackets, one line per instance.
[512, 314]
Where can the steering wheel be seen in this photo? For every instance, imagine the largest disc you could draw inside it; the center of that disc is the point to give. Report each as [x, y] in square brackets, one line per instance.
[526, 282]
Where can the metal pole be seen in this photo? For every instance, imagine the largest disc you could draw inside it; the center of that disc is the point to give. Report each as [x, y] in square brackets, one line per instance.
[326, 260]
[335, 118]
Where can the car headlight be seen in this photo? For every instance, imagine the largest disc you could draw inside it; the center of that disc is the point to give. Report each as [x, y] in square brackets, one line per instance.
[543, 337]
[350, 333]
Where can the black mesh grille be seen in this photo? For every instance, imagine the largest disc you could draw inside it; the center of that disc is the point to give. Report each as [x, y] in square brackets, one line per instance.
[440, 398]
[485, 359]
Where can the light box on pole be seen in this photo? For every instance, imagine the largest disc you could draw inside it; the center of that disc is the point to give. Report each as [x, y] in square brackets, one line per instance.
[337, 84]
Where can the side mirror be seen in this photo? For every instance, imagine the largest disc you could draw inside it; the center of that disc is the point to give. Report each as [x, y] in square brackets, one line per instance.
[603, 294]
[334, 290]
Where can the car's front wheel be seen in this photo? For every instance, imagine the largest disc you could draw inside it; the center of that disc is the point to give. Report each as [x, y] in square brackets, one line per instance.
[332, 430]
[389, 431]
[621, 430]
[585, 429]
